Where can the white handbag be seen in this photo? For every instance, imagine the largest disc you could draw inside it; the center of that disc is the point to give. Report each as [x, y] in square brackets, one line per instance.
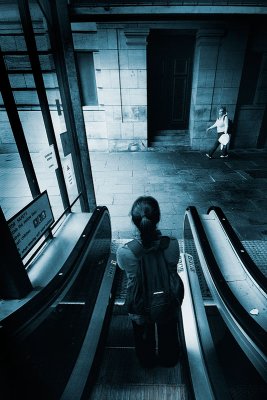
[224, 138]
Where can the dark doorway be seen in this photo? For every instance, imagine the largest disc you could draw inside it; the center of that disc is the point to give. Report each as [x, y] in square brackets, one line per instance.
[169, 69]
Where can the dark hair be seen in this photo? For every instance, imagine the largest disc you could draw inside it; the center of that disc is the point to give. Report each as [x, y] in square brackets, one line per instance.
[222, 108]
[145, 215]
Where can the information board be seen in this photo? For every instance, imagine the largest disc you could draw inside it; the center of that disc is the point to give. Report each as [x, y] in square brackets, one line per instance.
[29, 224]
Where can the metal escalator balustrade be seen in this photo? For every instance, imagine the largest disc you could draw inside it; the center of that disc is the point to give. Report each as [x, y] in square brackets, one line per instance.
[42, 353]
[206, 375]
[255, 271]
[213, 247]
[202, 379]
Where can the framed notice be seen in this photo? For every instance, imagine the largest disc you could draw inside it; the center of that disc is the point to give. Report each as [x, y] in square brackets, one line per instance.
[29, 224]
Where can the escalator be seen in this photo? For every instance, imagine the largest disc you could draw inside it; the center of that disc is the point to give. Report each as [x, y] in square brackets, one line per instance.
[41, 341]
[234, 291]
[73, 340]
[118, 374]
[206, 369]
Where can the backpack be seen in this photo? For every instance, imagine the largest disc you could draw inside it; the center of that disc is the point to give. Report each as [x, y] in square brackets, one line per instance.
[157, 292]
[230, 126]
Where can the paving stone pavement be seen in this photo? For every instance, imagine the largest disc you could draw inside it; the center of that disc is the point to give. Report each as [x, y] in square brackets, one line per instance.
[176, 179]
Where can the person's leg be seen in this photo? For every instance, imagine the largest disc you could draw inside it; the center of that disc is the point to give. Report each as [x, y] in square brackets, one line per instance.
[224, 151]
[168, 343]
[145, 343]
[214, 148]
[226, 148]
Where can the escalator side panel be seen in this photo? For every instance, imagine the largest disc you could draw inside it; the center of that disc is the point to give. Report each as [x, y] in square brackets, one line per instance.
[207, 378]
[250, 335]
[44, 354]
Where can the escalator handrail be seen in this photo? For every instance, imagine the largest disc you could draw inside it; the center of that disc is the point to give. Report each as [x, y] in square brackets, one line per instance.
[207, 378]
[245, 258]
[250, 326]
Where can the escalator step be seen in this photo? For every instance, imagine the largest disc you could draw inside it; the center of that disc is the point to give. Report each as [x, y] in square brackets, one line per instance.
[139, 391]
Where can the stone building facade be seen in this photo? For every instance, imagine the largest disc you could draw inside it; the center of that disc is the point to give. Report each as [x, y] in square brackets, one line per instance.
[229, 68]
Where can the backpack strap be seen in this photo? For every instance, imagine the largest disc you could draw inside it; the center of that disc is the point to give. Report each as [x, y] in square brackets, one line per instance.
[164, 242]
[138, 250]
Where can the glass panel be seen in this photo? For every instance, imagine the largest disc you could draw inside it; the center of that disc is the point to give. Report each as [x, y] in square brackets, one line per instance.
[15, 192]
[25, 95]
[55, 104]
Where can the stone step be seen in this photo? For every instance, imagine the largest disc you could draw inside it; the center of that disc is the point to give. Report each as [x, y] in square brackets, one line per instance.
[172, 132]
[170, 147]
[173, 139]
[170, 143]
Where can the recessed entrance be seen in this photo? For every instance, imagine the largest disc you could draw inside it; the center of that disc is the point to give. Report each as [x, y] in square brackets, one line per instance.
[169, 69]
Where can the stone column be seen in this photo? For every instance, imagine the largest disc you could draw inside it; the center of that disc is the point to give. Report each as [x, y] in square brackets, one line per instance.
[133, 81]
[261, 90]
[203, 86]
[260, 99]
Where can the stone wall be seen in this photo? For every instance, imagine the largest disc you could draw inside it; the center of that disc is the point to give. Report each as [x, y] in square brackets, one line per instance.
[218, 65]
[119, 121]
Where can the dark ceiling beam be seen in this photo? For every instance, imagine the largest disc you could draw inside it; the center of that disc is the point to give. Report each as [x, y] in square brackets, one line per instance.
[163, 13]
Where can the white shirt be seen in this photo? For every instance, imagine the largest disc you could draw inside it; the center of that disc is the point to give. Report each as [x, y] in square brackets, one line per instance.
[221, 124]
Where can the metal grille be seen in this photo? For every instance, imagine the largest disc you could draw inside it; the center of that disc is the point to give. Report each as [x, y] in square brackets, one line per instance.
[191, 249]
[257, 249]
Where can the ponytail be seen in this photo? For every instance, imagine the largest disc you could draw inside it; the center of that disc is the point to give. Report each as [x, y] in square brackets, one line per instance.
[146, 215]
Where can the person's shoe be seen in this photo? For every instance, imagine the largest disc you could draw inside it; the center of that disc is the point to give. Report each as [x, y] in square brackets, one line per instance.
[207, 155]
[222, 156]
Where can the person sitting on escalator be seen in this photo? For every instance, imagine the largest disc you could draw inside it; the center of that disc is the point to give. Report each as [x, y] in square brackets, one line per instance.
[145, 214]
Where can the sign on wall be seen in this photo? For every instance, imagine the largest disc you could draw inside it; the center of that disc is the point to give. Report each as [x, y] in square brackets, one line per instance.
[29, 224]
[68, 171]
[49, 158]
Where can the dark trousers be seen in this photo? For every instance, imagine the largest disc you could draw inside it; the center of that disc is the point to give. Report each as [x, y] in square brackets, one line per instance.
[167, 339]
[216, 144]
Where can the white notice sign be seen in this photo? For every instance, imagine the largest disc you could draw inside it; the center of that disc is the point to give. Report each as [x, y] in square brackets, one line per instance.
[49, 158]
[30, 223]
[68, 171]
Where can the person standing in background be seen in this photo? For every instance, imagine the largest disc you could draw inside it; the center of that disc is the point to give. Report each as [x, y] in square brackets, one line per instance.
[221, 124]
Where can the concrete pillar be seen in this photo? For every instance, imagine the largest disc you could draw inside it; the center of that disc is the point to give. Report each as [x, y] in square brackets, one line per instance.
[133, 81]
[203, 86]
[261, 90]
